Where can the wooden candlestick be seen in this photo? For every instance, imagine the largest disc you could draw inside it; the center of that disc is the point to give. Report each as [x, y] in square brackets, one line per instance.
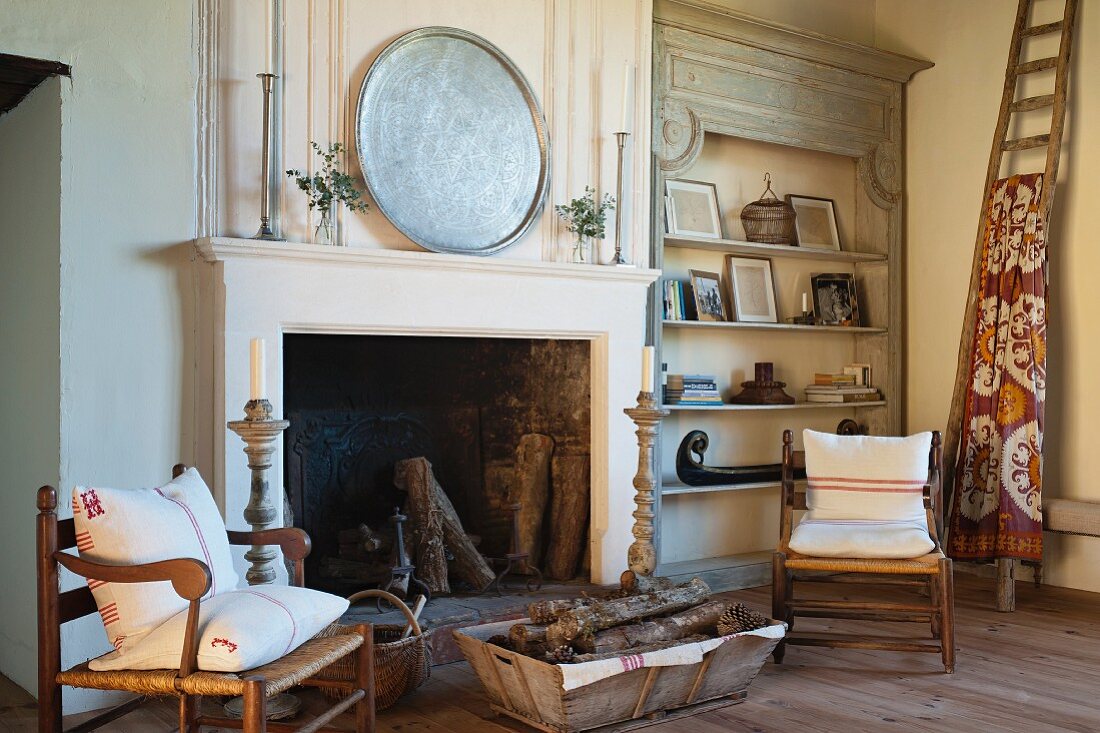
[259, 432]
[641, 558]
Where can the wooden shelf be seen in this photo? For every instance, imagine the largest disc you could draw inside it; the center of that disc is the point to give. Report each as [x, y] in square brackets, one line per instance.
[736, 246]
[772, 326]
[727, 407]
[675, 488]
[744, 570]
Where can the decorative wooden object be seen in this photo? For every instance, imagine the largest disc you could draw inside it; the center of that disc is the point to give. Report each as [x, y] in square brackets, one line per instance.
[641, 558]
[259, 431]
[763, 390]
[1016, 69]
[532, 491]
[571, 479]
[190, 579]
[933, 572]
[415, 476]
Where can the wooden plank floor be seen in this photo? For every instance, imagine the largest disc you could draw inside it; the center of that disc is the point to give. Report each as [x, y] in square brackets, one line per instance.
[1036, 670]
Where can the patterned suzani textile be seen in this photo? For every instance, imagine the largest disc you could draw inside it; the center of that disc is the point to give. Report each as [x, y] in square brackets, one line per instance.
[999, 475]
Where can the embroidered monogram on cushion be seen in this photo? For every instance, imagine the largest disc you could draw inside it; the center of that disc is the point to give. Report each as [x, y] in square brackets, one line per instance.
[92, 507]
[226, 643]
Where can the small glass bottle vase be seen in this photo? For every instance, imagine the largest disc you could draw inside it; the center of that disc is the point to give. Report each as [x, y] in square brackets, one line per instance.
[323, 233]
[582, 250]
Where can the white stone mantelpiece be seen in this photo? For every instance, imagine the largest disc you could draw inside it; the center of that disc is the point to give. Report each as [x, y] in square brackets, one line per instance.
[267, 289]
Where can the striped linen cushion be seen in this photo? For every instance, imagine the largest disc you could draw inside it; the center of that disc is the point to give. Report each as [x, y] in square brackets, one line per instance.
[865, 497]
[131, 526]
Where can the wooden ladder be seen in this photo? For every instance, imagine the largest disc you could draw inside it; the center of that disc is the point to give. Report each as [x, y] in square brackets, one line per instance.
[1052, 141]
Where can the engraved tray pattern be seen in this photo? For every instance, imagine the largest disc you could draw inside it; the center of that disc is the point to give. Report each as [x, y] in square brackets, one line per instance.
[452, 142]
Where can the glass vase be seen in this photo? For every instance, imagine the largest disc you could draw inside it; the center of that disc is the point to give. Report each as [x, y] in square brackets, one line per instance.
[323, 233]
[582, 250]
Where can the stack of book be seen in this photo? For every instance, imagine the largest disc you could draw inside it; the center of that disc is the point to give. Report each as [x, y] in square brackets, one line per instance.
[692, 389]
[840, 388]
[678, 301]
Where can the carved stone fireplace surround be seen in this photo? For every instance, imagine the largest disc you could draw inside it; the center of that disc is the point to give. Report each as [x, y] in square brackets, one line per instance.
[251, 288]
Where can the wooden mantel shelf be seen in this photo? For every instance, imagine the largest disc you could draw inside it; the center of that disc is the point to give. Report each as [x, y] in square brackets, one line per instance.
[219, 249]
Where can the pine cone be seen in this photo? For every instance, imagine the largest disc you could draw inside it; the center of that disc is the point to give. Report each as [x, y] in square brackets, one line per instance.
[738, 618]
[560, 655]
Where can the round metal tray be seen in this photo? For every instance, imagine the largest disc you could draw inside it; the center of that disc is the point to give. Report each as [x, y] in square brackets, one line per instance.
[452, 142]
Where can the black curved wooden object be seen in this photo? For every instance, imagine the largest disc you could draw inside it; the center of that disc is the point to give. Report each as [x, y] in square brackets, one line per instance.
[690, 468]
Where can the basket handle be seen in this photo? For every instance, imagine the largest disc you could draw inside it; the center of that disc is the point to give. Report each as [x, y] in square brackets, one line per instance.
[393, 601]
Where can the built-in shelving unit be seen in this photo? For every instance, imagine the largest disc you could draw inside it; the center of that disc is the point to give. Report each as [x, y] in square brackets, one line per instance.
[735, 96]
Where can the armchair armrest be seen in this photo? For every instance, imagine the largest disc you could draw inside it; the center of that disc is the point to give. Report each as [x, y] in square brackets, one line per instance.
[293, 541]
[190, 578]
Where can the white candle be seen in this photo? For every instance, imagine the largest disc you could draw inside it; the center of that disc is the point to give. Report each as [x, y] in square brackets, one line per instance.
[269, 37]
[649, 354]
[257, 383]
[805, 309]
[628, 87]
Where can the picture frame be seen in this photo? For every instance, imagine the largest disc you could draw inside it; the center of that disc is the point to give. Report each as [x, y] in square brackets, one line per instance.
[706, 290]
[693, 209]
[752, 289]
[814, 222]
[836, 301]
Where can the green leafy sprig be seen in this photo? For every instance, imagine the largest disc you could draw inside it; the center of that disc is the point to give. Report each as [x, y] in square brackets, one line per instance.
[583, 216]
[331, 184]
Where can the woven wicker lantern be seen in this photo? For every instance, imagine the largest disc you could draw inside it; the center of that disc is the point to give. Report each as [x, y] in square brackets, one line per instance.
[769, 220]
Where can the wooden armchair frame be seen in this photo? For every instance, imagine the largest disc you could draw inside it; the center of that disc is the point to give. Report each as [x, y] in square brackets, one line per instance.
[191, 580]
[932, 571]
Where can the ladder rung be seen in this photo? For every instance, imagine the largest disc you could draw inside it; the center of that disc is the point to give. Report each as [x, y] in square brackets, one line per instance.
[1026, 143]
[1026, 105]
[1037, 65]
[1041, 30]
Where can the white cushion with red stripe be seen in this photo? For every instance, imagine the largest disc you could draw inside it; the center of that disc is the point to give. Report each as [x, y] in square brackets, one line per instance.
[865, 496]
[133, 526]
[238, 630]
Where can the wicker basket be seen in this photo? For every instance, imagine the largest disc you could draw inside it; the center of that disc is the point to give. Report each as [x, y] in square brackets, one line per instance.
[768, 220]
[400, 665]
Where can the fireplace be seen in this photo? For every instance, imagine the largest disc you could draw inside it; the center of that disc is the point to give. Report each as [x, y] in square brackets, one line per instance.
[281, 291]
[357, 404]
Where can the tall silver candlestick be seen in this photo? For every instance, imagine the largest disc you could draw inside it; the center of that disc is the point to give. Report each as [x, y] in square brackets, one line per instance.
[620, 139]
[265, 231]
[259, 431]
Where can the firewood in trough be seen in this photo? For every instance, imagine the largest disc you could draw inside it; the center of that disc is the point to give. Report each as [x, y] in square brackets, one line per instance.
[631, 582]
[570, 476]
[528, 638]
[701, 619]
[546, 612]
[605, 614]
[532, 491]
[428, 503]
[645, 649]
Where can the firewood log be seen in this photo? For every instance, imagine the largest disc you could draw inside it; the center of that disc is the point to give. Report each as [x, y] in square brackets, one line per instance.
[528, 638]
[654, 647]
[546, 612]
[631, 582]
[701, 619]
[532, 491]
[570, 478]
[415, 476]
[605, 614]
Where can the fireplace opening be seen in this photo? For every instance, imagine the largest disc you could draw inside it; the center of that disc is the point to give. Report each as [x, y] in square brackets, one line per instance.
[499, 420]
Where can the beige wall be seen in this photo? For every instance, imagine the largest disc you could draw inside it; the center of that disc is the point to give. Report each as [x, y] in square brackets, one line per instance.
[852, 20]
[952, 110]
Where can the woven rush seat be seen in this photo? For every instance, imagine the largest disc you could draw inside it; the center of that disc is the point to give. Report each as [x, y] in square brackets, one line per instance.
[280, 675]
[1072, 517]
[925, 565]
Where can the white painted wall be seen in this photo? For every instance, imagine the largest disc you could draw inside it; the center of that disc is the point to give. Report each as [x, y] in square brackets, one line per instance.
[952, 110]
[30, 392]
[128, 209]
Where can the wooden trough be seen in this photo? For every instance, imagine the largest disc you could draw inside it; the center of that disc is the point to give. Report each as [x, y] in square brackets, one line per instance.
[533, 691]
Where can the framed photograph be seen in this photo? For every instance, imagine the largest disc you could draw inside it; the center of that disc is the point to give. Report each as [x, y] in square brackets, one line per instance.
[814, 222]
[752, 290]
[693, 209]
[706, 288]
[835, 302]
